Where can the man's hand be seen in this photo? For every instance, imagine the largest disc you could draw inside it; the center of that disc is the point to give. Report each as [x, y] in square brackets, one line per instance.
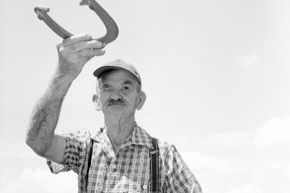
[75, 52]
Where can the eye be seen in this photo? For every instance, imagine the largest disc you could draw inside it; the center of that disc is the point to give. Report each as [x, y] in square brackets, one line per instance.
[126, 87]
[105, 86]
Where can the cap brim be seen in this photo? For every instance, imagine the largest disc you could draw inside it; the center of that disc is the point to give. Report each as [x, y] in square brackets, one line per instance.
[97, 73]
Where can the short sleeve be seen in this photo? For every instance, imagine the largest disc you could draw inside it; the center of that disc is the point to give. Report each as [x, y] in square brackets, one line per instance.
[74, 155]
[179, 178]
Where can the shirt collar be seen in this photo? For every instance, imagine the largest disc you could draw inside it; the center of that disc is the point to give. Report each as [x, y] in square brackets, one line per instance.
[138, 137]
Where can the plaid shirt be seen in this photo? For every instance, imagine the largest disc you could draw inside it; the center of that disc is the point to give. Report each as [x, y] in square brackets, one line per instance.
[127, 170]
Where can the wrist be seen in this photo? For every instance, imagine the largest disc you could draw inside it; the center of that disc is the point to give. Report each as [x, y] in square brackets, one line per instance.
[67, 69]
[65, 75]
[61, 82]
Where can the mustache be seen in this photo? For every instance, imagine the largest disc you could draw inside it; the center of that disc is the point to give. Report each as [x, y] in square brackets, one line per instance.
[116, 102]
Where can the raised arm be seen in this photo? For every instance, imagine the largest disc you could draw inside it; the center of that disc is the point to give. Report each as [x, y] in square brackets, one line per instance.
[73, 54]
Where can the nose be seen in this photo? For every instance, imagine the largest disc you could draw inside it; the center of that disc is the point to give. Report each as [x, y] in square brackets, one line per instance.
[115, 96]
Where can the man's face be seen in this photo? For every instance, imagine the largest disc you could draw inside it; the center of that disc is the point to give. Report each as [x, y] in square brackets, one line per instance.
[119, 93]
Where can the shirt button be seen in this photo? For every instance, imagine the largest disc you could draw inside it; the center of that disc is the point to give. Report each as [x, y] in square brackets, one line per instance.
[144, 187]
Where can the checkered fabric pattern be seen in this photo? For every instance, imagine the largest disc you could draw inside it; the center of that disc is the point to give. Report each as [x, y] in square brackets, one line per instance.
[127, 170]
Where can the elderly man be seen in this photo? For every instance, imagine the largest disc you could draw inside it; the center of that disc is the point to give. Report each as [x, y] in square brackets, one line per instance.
[121, 157]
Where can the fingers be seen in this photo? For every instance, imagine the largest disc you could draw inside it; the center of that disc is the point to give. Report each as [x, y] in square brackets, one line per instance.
[74, 39]
[75, 44]
[93, 44]
[90, 53]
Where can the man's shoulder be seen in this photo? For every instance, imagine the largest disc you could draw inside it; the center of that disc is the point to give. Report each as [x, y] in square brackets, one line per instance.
[165, 147]
[82, 137]
[79, 134]
[167, 150]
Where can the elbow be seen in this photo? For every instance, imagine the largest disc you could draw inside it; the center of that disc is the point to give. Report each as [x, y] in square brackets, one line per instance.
[29, 141]
[33, 146]
[30, 137]
[39, 139]
[36, 147]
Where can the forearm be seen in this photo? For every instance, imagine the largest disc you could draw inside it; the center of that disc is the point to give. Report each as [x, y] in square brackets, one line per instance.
[73, 54]
[46, 113]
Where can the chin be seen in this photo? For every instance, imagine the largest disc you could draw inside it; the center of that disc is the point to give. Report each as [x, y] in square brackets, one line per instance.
[115, 111]
[118, 112]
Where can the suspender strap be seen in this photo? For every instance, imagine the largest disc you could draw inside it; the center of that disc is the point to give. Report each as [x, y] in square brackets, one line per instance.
[87, 166]
[154, 167]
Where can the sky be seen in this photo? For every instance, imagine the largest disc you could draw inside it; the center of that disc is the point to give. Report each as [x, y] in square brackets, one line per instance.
[216, 75]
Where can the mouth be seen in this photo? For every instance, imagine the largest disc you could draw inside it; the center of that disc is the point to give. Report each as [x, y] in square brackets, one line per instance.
[118, 102]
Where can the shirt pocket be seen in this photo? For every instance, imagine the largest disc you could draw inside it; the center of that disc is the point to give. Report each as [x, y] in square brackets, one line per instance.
[129, 186]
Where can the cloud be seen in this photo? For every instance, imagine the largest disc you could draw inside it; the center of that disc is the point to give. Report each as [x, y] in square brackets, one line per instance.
[246, 189]
[208, 164]
[235, 139]
[246, 174]
[214, 173]
[246, 161]
[274, 133]
[35, 181]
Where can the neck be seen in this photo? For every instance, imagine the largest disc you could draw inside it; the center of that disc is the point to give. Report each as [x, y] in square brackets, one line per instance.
[119, 129]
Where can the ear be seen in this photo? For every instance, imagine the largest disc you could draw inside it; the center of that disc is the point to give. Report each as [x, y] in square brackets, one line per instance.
[97, 102]
[142, 99]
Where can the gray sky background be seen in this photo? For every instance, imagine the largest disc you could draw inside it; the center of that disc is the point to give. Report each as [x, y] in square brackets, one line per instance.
[216, 74]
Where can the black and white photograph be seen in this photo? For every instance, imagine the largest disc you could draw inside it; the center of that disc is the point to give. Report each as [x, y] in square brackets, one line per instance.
[160, 96]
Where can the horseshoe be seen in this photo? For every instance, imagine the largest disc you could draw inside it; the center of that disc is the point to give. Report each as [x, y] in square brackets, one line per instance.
[110, 24]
